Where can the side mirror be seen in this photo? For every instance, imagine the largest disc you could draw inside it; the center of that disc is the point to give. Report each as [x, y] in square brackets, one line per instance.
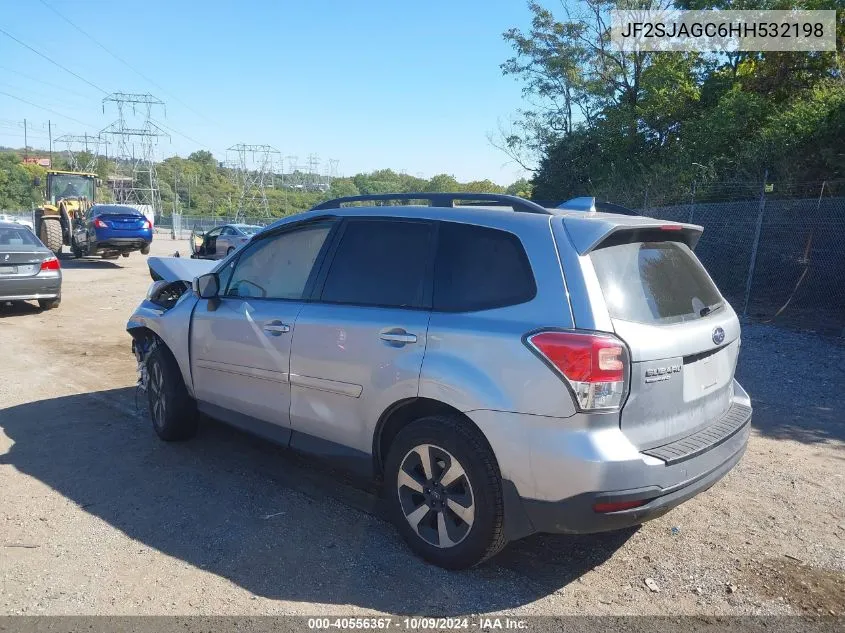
[207, 286]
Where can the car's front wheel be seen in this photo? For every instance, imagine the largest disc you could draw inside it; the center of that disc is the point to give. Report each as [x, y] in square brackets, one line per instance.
[445, 493]
[172, 410]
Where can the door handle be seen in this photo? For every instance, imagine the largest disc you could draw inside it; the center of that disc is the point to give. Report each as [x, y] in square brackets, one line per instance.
[397, 335]
[276, 328]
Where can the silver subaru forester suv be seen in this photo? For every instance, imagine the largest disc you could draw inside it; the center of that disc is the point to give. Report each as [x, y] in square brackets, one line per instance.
[501, 368]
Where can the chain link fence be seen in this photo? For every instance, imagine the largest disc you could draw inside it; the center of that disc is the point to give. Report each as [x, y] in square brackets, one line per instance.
[777, 256]
[180, 227]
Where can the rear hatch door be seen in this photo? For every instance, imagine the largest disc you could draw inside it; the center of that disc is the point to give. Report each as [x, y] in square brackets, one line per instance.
[682, 335]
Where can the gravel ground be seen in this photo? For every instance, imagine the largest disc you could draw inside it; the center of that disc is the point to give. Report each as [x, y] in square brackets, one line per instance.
[99, 517]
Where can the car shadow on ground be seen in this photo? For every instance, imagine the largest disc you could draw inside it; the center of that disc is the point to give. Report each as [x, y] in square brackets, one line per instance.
[89, 263]
[19, 309]
[795, 381]
[262, 517]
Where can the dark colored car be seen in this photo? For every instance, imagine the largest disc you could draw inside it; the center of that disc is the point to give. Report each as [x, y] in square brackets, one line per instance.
[110, 230]
[28, 269]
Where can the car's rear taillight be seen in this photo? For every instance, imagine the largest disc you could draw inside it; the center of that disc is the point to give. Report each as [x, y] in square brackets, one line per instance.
[595, 365]
[146, 225]
[100, 224]
[51, 263]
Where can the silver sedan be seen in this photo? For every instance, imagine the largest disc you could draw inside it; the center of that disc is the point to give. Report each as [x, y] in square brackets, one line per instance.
[28, 269]
[223, 240]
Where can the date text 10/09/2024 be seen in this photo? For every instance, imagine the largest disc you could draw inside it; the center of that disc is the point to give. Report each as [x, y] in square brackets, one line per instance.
[418, 623]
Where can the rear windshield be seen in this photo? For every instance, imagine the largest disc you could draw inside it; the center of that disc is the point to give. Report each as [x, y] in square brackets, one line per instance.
[654, 282]
[115, 210]
[11, 237]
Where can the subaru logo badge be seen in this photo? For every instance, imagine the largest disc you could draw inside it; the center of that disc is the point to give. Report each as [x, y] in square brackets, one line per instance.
[718, 336]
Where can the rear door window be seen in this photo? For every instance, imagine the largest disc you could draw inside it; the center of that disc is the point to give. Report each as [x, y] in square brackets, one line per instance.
[654, 282]
[480, 268]
[381, 263]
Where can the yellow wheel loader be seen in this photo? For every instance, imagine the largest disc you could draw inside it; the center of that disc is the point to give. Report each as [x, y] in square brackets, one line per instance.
[68, 197]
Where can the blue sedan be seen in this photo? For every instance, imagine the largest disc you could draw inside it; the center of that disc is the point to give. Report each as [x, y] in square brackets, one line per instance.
[110, 230]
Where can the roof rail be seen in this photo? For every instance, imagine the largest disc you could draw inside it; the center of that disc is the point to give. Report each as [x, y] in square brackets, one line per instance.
[591, 205]
[442, 200]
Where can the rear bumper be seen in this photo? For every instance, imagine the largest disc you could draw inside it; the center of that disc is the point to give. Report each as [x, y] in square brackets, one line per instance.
[557, 469]
[29, 288]
[577, 516]
[123, 243]
[123, 239]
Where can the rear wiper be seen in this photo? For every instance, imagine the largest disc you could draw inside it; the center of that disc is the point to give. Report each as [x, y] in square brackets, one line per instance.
[708, 309]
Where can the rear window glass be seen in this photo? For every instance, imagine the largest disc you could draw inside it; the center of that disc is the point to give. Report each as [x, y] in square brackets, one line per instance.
[479, 268]
[14, 236]
[654, 282]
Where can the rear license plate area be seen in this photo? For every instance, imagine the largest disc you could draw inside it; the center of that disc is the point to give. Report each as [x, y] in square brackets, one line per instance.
[8, 270]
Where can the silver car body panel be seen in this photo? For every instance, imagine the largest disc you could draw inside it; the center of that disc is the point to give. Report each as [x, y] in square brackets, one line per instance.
[179, 268]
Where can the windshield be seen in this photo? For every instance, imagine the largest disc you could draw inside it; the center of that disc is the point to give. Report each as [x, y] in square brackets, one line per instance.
[248, 229]
[71, 186]
[654, 282]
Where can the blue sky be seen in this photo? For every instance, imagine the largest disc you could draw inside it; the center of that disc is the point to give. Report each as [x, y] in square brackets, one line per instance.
[374, 84]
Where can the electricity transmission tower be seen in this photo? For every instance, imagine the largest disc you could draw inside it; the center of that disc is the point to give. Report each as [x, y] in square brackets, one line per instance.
[135, 140]
[82, 151]
[252, 173]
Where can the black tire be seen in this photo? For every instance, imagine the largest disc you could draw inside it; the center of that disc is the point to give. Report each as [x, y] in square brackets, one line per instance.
[458, 439]
[145, 250]
[124, 254]
[172, 410]
[74, 248]
[49, 304]
[50, 233]
[230, 251]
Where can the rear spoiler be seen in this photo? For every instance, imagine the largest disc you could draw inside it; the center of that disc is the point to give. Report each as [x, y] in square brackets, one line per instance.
[591, 231]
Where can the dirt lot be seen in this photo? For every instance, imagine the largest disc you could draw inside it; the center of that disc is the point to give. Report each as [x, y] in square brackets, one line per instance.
[99, 517]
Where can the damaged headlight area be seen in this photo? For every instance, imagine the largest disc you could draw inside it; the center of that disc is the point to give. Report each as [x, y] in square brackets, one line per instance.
[166, 294]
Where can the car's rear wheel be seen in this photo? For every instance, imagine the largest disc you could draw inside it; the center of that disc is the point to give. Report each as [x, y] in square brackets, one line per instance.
[445, 493]
[230, 251]
[145, 250]
[172, 410]
[49, 304]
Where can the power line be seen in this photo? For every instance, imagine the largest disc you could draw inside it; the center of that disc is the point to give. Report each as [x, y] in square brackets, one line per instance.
[52, 61]
[46, 83]
[178, 133]
[35, 105]
[121, 60]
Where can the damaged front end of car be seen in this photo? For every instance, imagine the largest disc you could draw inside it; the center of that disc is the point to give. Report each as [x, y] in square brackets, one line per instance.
[163, 318]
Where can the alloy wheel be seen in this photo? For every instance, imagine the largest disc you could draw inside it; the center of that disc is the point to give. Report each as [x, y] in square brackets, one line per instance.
[435, 495]
[157, 400]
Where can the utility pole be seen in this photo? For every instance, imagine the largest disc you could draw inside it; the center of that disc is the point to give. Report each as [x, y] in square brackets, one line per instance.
[753, 262]
[25, 144]
[50, 135]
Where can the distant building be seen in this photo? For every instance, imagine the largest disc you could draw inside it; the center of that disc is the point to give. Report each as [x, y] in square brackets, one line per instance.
[42, 162]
